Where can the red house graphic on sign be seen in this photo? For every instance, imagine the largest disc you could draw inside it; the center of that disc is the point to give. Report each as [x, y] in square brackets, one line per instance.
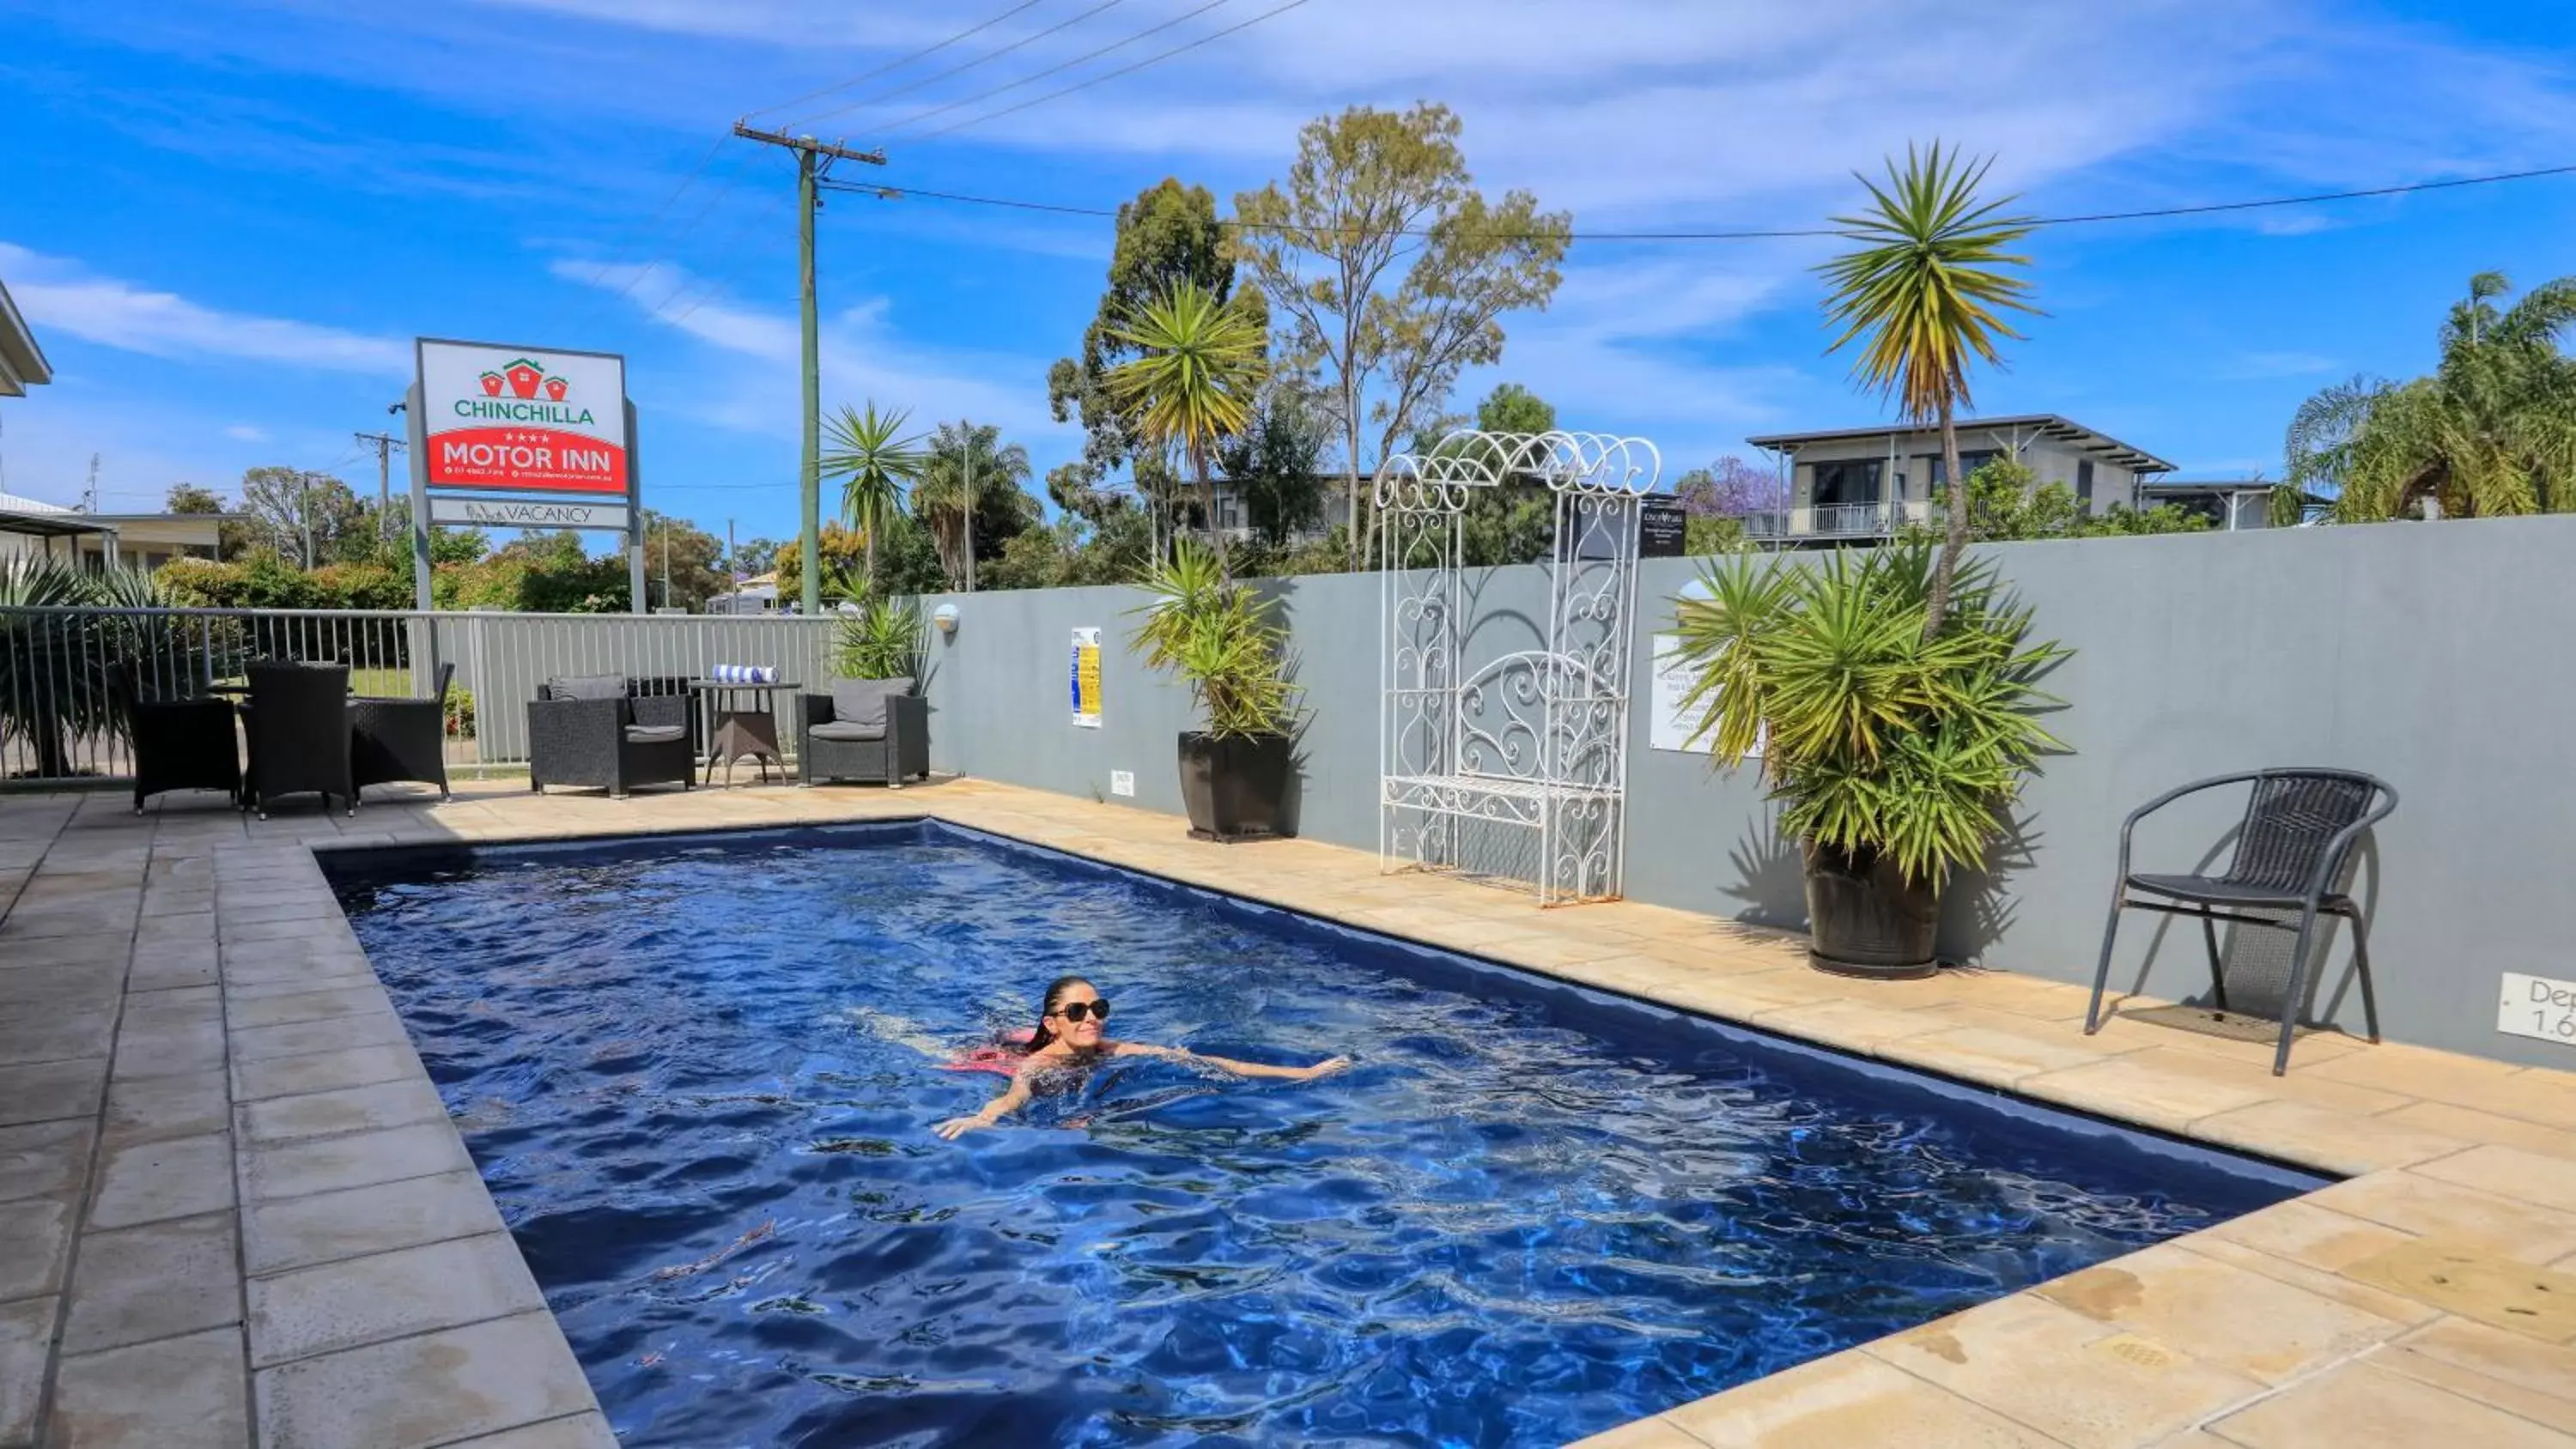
[524, 377]
[491, 384]
[555, 388]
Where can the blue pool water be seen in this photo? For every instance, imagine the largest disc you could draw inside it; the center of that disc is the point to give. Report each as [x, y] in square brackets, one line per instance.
[693, 1073]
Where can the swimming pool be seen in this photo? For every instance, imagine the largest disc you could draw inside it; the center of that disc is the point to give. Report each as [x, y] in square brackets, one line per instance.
[693, 1072]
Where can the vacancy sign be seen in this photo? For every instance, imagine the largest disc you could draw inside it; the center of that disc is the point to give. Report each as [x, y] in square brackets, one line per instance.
[523, 419]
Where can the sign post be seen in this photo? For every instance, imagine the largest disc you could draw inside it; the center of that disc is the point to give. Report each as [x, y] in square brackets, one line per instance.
[492, 424]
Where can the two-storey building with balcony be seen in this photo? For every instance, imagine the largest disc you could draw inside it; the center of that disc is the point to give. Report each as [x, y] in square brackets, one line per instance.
[1856, 484]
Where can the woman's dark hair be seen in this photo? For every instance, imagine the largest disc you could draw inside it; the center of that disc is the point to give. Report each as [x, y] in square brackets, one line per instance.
[1048, 1003]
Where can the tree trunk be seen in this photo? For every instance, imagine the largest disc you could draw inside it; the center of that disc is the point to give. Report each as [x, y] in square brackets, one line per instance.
[870, 567]
[1955, 534]
[1207, 501]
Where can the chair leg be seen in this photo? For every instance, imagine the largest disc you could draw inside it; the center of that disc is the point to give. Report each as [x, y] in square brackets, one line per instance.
[2298, 988]
[2217, 977]
[2361, 964]
[2102, 973]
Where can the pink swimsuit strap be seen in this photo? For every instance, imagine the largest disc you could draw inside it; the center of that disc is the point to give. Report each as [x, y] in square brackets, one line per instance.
[1003, 1057]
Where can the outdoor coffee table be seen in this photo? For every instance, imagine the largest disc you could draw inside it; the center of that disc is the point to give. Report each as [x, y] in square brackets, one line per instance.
[743, 724]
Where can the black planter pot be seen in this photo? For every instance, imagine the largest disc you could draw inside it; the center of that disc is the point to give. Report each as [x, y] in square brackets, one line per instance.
[1235, 787]
[1865, 918]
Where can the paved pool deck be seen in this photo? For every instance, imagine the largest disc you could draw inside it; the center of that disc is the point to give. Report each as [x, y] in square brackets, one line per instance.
[233, 1210]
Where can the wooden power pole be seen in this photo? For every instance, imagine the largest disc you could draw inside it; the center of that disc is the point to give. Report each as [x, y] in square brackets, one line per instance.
[813, 160]
[386, 445]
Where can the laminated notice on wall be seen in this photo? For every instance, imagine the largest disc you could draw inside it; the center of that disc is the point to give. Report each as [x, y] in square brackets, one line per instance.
[1086, 678]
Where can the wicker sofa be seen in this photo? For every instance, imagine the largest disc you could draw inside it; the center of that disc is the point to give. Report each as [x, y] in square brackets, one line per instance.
[864, 729]
[594, 730]
[395, 739]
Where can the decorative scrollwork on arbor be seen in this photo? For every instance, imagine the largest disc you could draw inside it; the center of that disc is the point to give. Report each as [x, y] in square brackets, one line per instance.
[1527, 740]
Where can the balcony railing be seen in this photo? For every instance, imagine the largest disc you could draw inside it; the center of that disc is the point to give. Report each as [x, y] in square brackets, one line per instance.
[1838, 520]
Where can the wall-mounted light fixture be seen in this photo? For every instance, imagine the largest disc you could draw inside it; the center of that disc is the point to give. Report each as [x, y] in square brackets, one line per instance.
[945, 616]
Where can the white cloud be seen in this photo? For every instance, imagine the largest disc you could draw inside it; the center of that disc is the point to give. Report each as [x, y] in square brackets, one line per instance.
[61, 295]
[246, 433]
[2281, 364]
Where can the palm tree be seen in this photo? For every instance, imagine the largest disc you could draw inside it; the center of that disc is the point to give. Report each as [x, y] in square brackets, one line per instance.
[1200, 362]
[875, 461]
[2492, 431]
[1921, 294]
[967, 475]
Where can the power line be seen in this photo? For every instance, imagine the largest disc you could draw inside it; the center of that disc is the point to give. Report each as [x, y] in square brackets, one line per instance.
[1129, 69]
[897, 193]
[1057, 69]
[895, 64]
[960, 68]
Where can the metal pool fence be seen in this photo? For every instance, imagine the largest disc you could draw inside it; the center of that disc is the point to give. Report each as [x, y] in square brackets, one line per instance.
[61, 669]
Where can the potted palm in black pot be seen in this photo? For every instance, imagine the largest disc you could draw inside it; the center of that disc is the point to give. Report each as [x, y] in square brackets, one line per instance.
[1220, 637]
[1892, 749]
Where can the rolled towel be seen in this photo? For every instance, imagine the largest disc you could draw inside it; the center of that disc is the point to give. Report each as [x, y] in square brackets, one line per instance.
[743, 674]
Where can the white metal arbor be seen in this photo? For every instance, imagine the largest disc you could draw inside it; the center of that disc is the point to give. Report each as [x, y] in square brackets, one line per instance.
[1472, 755]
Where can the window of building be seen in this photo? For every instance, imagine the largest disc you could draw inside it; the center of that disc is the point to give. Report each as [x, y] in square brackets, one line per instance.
[1851, 482]
[2084, 481]
[1969, 462]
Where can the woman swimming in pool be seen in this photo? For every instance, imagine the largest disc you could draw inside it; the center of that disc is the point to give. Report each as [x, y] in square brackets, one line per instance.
[1070, 1021]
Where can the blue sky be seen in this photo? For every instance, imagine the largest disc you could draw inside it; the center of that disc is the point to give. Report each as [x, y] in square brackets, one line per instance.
[227, 221]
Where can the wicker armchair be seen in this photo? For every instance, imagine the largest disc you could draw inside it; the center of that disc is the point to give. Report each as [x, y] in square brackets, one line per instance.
[591, 730]
[865, 729]
[181, 744]
[297, 719]
[2291, 847]
[401, 739]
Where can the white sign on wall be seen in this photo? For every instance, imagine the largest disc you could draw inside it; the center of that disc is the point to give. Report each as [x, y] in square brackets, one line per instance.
[523, 419]
[1668, 727]
[2538, 1006]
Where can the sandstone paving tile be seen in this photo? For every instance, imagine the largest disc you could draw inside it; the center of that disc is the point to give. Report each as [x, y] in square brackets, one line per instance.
[50, 1091]
[1990, 1055]
[2429, 1207]
[1848, 1399]
[26, 1335]
[2510, 1172]
[348, 1109]
[28, 990]
[35, 1245]
[172, 1047]
[324, 1034]
[155, 1281]
[359, 1000]
[2322, 1137]
[2531, 1094]
[242, 909]
[2158, 1087]
[2304, 1231]
[299, 1232]
[167, 971]
[56, 1036]
[2541, 1376]
[102, 948]
[581, 1431]
[2360, 1404]
[185, 1104]
[323, 1071]
[29, 922]
[175, 1006]
[1853, 1026]
[2470, 1124]
[357, 1301]
[44, 1159]
[178, 1177]
[2242, 1321]
[2351, 1292]
[2471, 1280]
[174, 1393]
[355, 1159]
[2074, 1379]
[1653, 1433]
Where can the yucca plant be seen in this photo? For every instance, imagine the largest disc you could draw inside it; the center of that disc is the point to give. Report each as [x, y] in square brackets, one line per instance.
[1880, 739]
[881, 641]
[1220, 637]
[59, 672]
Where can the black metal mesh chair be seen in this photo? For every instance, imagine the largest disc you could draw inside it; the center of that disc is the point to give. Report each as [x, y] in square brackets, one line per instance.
[181, 744]
[401, 739]
[298, 723]
[593, 730]
[2291, 848]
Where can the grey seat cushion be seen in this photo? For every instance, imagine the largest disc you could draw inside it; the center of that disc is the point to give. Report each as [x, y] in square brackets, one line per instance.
[847, 730]
[655, 734]
[862, 702]
[586, 686]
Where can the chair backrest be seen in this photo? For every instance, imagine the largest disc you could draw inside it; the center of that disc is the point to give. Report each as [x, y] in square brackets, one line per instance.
[294, 687]
[2291, 821]
[446, 672]
[585, 686]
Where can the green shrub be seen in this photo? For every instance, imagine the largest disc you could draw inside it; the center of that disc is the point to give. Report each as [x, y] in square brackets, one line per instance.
[881, 641]
[1220, 637]
[460, 712]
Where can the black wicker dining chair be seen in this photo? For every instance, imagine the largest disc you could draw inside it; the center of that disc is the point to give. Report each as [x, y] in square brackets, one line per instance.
[297, 720]
[180, 743]
[2291, 848]
[397, 739]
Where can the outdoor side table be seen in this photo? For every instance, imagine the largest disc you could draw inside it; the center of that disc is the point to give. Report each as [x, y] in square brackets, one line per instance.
[744, 724]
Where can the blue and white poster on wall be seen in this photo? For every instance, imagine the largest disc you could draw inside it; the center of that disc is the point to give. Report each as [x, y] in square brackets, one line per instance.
[1084, 677]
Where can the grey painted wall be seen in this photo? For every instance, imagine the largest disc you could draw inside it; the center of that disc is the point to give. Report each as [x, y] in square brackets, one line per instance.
[2423, 654]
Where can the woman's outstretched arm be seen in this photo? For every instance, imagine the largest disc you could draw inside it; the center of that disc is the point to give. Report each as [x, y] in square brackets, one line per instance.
[1012, 1099]
[1229, 1064]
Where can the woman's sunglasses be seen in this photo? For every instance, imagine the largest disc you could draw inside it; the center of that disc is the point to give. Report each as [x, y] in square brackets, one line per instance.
[1075, 1011]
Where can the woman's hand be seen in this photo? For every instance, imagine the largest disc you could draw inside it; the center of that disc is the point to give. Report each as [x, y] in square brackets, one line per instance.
[956, 1127]
[1322, 1069]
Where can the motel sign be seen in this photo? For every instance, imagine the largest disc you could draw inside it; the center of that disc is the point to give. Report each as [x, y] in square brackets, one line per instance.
[523, 433]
